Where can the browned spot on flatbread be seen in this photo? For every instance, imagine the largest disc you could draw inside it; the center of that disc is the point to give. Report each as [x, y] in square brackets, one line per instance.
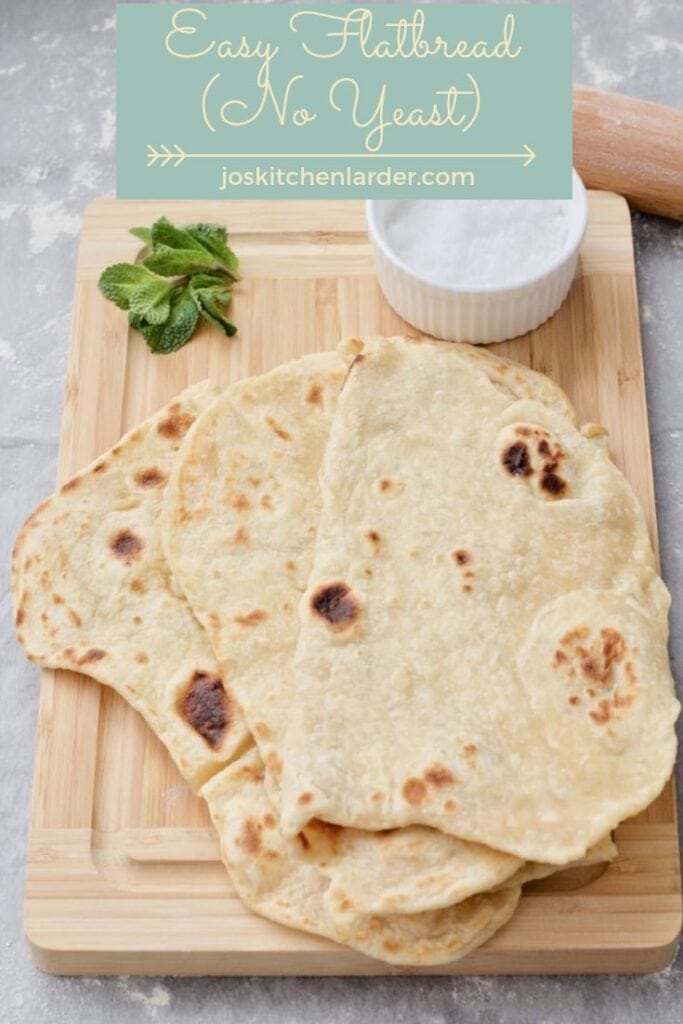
[126, 546]
[375, 540]
[204, 705]
[438, 775]
[582, 633]
[241, 503]
[335, 603]
[72, 484]
[461, 557]
[248, 774]
[20, 616]
[262, 732]
[100, 467]
[94, 654]
[250, 837]
[240, 537]
[304, 798]
[267, 502]
[516, 460]
[277, 429]
[273, 762]
[450, 805]
[377, 796]
[599, 664]
[149, 478]
[414, 791]
[553, 484]
[252, 618]
[469, 750]
[75, 618]
[304, 841]
[385, 484]
[290, 566]
[602, 714]
[392, 945]
[254, 480]
[315, 395]
[467, 588]
[137, 621]
[176, 424]
[269, 820]
[138, 586]
[214, 620]
[141, 658]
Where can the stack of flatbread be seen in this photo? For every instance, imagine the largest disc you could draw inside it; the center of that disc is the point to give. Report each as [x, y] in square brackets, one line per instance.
[396, 618]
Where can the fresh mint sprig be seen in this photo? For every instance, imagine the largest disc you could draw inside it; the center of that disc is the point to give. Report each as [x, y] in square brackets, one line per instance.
[188, 273]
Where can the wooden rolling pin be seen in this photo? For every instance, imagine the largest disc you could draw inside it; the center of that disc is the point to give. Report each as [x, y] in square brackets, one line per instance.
[631, 147]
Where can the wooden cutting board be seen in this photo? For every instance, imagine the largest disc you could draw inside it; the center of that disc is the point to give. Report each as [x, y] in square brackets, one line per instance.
[123, 873]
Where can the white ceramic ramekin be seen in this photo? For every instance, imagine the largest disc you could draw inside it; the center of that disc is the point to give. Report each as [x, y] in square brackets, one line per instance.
[477, 315]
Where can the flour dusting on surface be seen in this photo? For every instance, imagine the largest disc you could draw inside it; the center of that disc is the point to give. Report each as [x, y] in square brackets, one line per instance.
[599, 74]
[151, 1002]
[7, 353]
[48, 221]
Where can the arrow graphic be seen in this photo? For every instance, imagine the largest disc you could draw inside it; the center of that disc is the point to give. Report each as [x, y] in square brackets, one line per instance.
[176, 153]
[164, 154]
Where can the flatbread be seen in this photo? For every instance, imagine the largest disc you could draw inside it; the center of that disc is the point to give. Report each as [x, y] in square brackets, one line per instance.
[483, 637]
[93, 594]
[276, 877]
[240, 516]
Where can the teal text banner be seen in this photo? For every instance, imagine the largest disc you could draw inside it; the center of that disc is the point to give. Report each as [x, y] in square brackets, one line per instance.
[240, 101]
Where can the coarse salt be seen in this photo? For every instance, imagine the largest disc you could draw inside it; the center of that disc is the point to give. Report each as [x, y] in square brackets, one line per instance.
[474, 244]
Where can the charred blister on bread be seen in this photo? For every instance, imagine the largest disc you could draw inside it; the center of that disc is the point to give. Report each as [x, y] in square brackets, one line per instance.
[535, 457]
[204, 706]
[126, 546]
[335, 604]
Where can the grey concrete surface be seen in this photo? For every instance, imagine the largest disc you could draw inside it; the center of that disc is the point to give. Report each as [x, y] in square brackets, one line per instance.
[57, 145]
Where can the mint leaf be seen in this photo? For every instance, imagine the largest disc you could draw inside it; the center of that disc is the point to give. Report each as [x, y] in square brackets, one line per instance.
[144, 234]
[214, 238]
[208, 297]
[174, 262]
[187, 274]
[212, 313]
[181, 323]
[150, 332]
[164, 233]
[151, 300]
[121, 280]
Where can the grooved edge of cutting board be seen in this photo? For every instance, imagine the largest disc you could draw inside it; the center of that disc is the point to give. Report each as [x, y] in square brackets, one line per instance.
[123, 872]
